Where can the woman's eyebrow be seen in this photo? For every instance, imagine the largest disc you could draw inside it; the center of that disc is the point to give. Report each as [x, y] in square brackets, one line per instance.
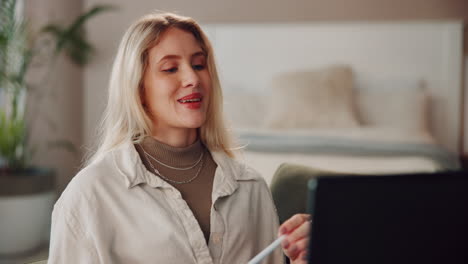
[167, 57]
[172, 56]
[199, 53]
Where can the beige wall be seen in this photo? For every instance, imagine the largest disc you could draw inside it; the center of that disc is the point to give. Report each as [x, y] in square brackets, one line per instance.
[297, 10]
[59, 114]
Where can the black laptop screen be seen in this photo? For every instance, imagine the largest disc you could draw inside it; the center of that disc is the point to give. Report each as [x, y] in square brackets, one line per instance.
[390, 219]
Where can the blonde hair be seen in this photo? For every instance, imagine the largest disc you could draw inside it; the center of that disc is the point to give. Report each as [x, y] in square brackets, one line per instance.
[125, 119]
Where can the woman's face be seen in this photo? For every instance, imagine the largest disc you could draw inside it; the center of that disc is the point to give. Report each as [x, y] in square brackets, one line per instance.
[177, 84]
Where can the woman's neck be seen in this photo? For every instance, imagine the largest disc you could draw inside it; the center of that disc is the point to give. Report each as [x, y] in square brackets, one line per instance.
[178, 138]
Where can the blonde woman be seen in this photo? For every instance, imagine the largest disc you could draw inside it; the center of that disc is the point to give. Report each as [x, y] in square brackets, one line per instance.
[163, 186]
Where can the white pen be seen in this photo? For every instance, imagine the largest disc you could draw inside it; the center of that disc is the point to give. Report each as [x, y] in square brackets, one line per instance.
[267, 250]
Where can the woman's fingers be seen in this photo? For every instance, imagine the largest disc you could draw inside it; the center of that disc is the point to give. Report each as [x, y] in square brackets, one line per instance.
[293, 223]
[295, 244]
[299, 233]
[297, 249]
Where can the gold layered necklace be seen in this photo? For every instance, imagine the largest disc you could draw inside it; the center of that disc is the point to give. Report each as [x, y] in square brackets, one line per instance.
[157, 172]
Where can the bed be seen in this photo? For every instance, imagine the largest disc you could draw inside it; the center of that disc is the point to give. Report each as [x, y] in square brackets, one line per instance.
[361, 151]
[343, 97]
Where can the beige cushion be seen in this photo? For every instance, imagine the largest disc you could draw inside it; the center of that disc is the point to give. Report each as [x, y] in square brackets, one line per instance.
[402, 109]
[312, 99]
[243, 109]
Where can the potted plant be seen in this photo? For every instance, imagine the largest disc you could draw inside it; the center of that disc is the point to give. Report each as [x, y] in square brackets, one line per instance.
[27, 192]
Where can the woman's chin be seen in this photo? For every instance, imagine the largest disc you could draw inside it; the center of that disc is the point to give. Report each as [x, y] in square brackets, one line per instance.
[194, 123]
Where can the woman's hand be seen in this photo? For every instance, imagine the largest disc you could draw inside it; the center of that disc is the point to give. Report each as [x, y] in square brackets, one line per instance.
[296, 242]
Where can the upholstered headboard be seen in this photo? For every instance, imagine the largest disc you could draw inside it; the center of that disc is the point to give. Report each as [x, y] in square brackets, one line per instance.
[381, 55]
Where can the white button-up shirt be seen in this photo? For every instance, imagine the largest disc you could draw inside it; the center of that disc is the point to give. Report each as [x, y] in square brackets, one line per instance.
[116, 211]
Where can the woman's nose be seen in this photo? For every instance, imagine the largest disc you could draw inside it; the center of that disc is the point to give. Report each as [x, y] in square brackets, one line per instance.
[190, 78]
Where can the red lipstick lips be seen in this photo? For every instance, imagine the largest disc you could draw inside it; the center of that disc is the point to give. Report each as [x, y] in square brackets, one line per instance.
[191, 96]
[191, 101]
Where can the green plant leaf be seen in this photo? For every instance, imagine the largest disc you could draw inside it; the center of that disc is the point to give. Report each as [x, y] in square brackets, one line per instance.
[12, 140]
[72, 38]
[79, 49]
[79, 22]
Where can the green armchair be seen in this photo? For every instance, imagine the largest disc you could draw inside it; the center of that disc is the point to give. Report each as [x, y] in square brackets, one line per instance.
[289, 188]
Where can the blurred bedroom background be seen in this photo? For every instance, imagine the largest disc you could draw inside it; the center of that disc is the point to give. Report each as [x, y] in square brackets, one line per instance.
[357, 86]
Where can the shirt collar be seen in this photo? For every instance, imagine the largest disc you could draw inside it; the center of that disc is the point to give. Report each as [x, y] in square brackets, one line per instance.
[227, 175]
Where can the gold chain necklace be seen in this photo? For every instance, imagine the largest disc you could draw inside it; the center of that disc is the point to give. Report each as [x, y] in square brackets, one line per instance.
[169, 166]
[169, 180]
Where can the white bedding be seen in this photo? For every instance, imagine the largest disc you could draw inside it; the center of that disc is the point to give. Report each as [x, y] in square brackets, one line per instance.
[267, 162]
[367, 133]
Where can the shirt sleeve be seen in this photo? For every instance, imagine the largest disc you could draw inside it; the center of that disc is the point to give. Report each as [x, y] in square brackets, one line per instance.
[69, 243]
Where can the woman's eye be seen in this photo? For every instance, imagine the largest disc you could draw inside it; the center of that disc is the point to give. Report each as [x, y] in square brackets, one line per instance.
[171, 70]
[199, 67]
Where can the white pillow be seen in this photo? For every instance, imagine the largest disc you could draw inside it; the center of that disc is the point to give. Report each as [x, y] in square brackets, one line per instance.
[313, 99]
[403, 109]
